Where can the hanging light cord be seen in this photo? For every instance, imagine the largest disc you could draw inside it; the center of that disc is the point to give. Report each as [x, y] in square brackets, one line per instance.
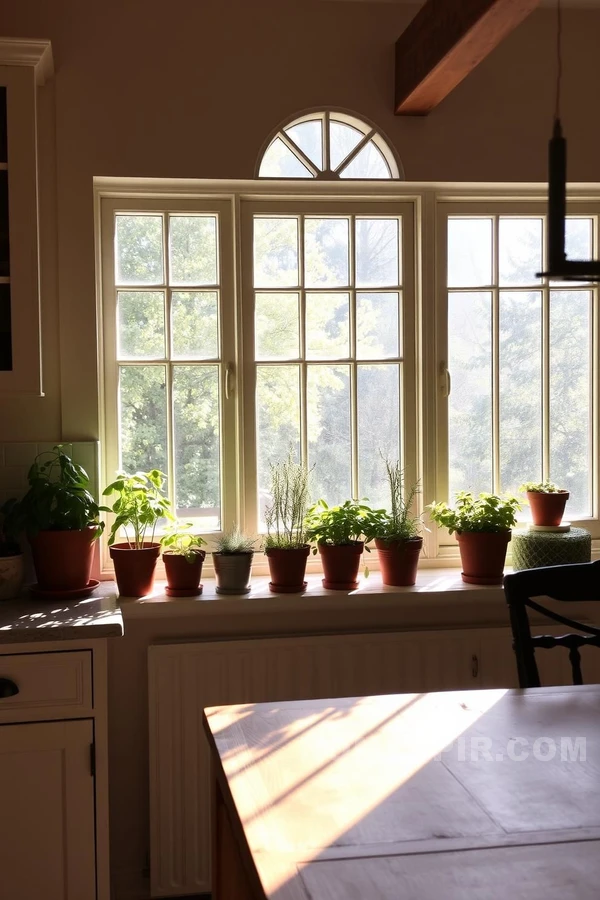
[559, 58]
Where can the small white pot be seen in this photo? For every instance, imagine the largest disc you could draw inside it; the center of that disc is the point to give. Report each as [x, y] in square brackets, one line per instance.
[12, 571]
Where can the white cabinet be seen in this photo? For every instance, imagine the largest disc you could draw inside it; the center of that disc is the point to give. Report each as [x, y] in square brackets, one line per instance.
[24, 65]
[47, 846]
[53, 772]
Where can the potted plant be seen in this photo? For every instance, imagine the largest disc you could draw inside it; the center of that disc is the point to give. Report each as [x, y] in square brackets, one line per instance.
[11, 555]
[396, 532]
[547, 502]
[183, 557]
[483, 529]
[338, 531]
[285, 545]
[61, 520]
[139, 505]
[232, 560]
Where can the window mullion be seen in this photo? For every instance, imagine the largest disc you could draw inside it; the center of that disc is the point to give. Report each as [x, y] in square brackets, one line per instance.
[303, 365]
[169, 370]
[496, 360]
[545, 380]
[353, 363]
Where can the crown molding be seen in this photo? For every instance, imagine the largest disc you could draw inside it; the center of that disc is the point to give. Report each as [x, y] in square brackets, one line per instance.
[35, 53]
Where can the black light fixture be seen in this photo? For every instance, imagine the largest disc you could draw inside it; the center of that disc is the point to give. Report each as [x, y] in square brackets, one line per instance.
[559, 267]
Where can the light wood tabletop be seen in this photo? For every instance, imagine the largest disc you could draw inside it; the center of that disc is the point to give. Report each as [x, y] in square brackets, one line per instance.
[477, 794]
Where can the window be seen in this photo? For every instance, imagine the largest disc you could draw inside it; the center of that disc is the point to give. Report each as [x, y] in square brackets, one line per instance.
[328, 145]
[519, 353]
[169, 334]
[329, 344]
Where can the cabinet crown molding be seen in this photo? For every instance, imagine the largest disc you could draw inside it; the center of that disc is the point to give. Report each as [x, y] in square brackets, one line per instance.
[36, 53]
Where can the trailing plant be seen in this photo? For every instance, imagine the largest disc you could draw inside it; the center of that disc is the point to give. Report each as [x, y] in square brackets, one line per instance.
[179, 540]
[139, 505]
[541, 487]
[58, 498]
[284, 516]
[234, 541]
[399, 523]
[337, 525]
[484, 513]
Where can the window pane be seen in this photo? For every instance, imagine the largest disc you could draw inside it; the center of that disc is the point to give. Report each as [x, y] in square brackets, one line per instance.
[309, 137]
[275, 252]
[377, 247]
[470, 402]
[378, 429]
[193, 250]
[327, 326]
[469, 252]
[197, 444]
[277, 421]
[328, 428]
[377, 320]
[578, 242]
[143, 418]
[280, 162]
[195, 324]
[570, 400]
[368, 163]
[520, 388]
[519, 250]
[140, 325]
[326, 252]
[276, 329]
[139, 249]
[342, 140]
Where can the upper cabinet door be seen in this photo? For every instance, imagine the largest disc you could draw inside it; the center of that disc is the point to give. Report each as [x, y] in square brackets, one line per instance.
[24, 65]
[47, 842]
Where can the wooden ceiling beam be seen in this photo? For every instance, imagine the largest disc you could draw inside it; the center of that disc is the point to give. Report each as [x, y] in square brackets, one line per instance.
[444, 42]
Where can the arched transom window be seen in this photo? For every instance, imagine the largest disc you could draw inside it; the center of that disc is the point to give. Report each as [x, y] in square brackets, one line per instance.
[328, 145]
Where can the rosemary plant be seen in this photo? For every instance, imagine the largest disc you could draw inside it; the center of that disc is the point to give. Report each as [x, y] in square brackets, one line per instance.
[399, 524]
[285, 514]
[234, 541]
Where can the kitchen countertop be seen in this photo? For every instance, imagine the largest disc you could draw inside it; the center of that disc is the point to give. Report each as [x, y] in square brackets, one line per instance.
[29, 618]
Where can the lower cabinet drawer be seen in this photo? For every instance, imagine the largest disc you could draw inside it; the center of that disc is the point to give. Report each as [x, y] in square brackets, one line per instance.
[36, 686]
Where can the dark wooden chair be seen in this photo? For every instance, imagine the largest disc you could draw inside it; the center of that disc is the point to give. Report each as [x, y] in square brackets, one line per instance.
[564, 583]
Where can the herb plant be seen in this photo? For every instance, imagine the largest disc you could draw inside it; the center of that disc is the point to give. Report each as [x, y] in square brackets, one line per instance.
[139, 505]
[179, 540]
[337, 525]
[285, 515]
[541, 487]
[234, 541]
[399, 523]
[487, 512]
[58, 498]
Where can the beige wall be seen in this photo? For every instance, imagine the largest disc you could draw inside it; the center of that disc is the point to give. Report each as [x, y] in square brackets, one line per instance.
[192, 89]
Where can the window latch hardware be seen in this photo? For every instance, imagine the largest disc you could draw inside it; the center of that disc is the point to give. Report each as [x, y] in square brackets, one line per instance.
[445, 381]
[228, 376]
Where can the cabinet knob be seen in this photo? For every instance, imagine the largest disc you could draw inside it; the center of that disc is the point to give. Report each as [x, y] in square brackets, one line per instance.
[8, 688]
[475, 666]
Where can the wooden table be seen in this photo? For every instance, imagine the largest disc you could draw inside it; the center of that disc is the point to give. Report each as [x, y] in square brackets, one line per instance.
[480, 794]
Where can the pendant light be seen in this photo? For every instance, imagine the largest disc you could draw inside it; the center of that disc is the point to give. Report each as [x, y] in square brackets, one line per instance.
[559, 267]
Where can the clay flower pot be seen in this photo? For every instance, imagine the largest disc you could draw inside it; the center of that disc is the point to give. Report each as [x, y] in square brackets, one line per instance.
[287, 568]
[483, 554]
[183, 575]
[232, 572]
[12, 571]
[63, 559]
[341, 563]
[398, 561]
[547, 509]
[134, 569]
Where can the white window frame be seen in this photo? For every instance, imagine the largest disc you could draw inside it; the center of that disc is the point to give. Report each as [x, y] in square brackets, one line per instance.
[426, 460]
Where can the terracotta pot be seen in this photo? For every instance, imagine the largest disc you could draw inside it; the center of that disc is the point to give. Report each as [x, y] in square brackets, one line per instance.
[183, 575]
[547, 509]
[287, 568]
[483, 554]
[398, 561]
[63, 559]
[12, 571]
[232, 572]
[134, 569]
[341, 563]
